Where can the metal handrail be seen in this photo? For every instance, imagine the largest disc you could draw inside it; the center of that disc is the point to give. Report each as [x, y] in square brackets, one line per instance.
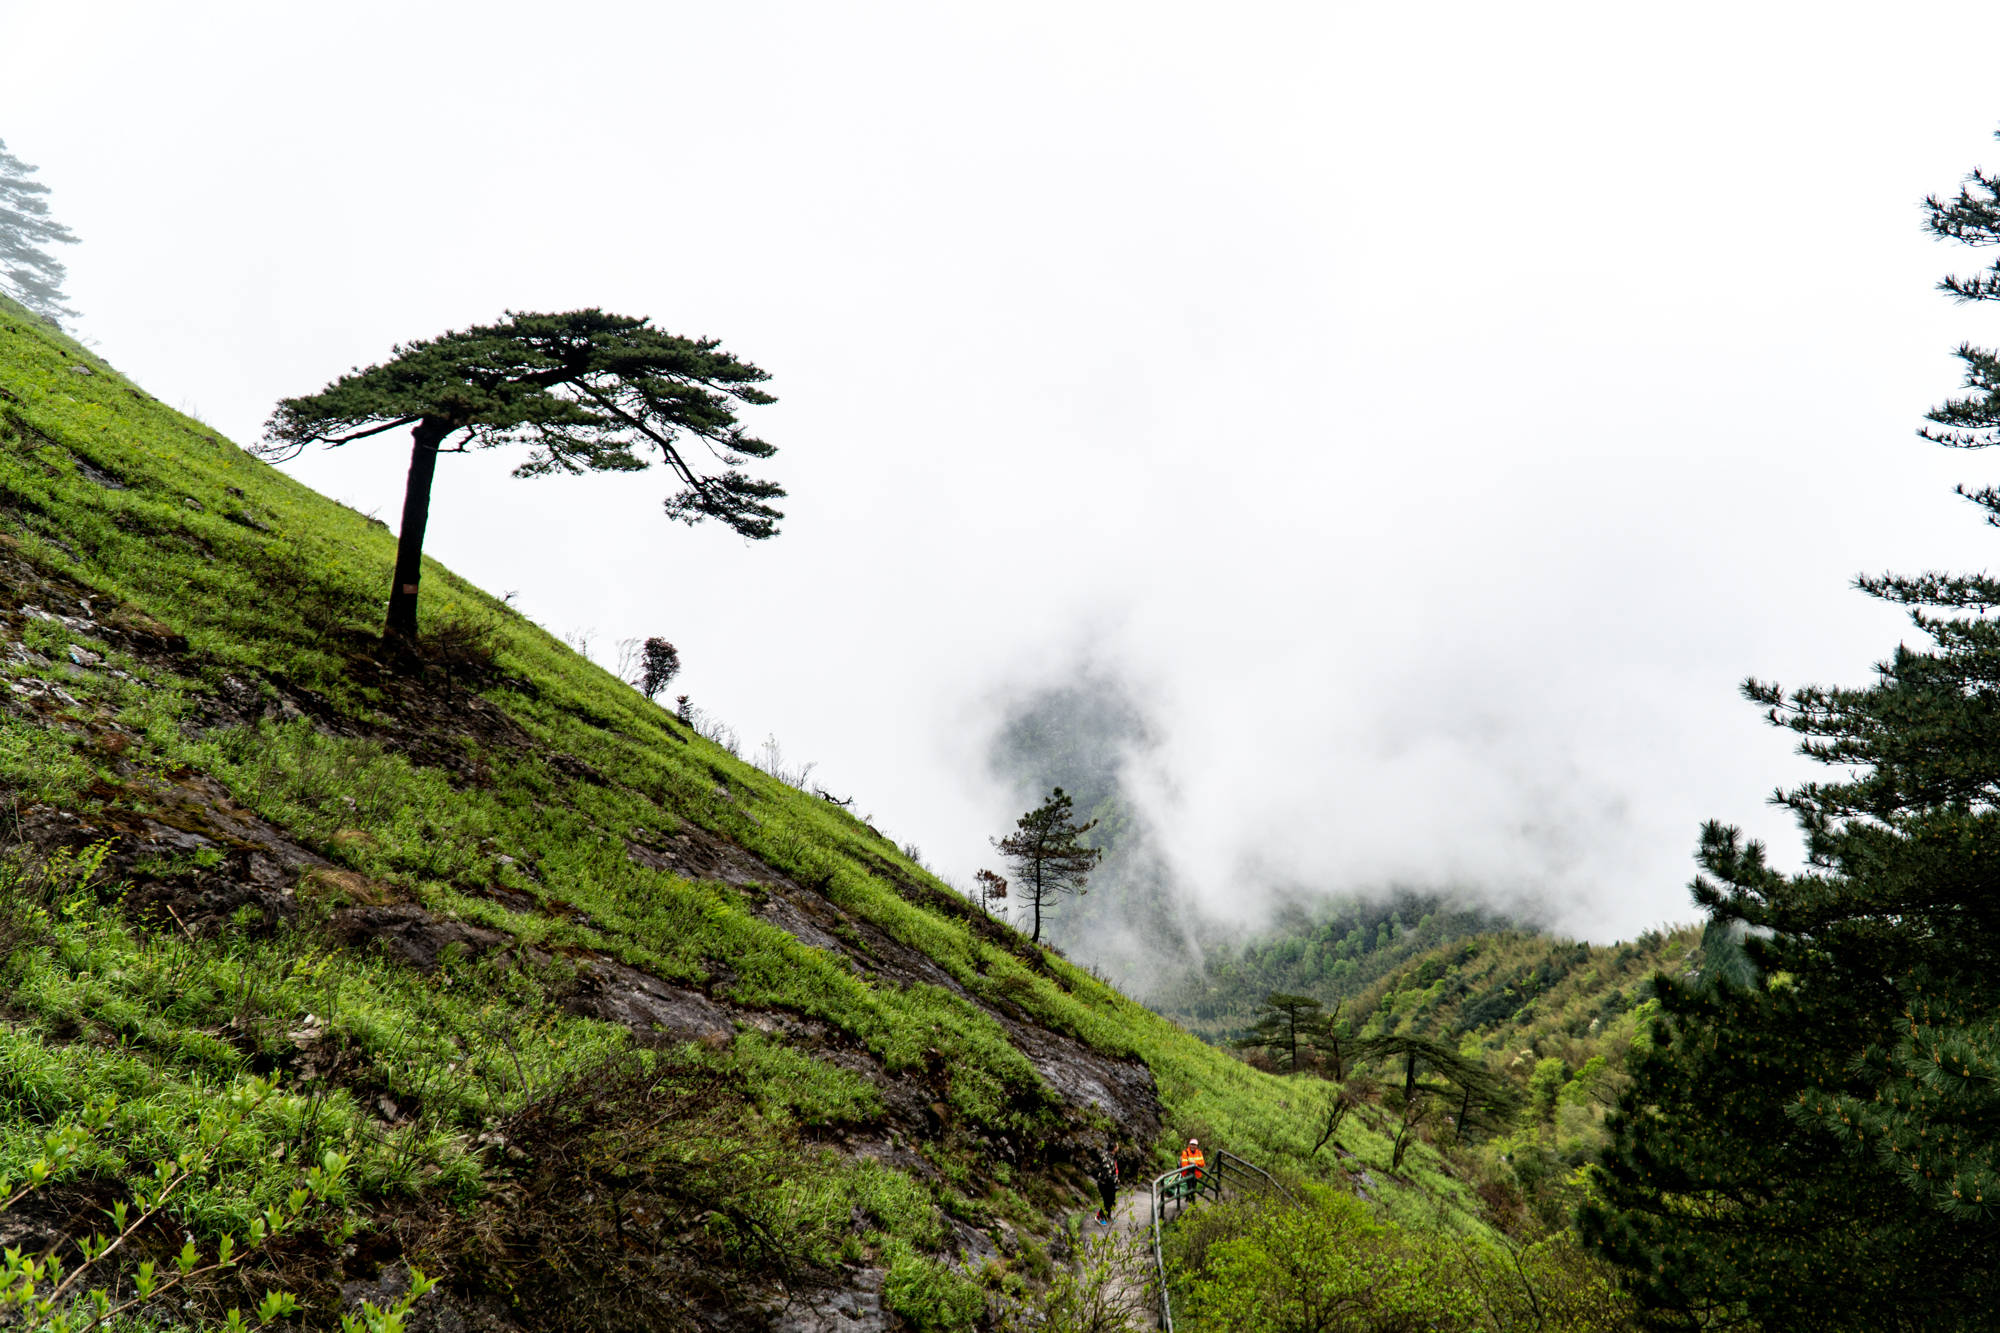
[1229, 1161]
[1159, 1208]
[1208, 1182]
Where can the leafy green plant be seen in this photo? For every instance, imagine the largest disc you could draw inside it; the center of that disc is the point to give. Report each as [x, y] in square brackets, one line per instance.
[1106, 1290]
[929, 1295]
[1327, 1263]
[47, 1294]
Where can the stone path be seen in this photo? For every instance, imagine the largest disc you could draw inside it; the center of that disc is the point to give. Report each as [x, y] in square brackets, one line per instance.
[1130, 1233]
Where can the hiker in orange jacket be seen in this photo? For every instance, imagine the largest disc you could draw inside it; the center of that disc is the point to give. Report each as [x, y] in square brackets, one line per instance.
[1192, 1161]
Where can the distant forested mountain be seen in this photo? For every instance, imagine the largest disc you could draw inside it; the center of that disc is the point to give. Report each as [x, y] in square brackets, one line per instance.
[1332, 951]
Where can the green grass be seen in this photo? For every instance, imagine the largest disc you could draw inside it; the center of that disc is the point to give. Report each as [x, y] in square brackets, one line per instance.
[276, 589]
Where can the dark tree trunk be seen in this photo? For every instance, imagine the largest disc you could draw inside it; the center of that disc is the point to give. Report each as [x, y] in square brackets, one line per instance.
[425, 439]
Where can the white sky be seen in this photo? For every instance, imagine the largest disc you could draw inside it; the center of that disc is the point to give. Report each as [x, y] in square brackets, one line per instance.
[1437, 409]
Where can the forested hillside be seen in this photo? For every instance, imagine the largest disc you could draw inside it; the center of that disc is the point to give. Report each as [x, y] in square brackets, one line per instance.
[466, 958]
[1332, 950]
[565, 989]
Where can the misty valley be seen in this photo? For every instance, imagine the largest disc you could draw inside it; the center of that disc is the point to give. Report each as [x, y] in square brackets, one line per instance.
[375, 958]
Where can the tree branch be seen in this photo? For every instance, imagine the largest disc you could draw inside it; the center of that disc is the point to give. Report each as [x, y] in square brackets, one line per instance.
[674, 460]
[372, 430]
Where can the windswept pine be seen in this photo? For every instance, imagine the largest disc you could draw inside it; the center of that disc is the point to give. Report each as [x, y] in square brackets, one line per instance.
[584, 391]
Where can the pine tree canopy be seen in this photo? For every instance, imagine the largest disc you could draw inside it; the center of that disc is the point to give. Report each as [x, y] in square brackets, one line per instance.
[28, 271]
[1814, 1143]
[585, 391]
[1485, 1097]
[1047, 854]
[1282, 1024]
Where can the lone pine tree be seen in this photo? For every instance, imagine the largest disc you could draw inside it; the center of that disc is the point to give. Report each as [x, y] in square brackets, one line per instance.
[1477, 1097]
[586, 391]
[1284, 1023]
[28, 272]
[1815, 1146]
[1046, 853]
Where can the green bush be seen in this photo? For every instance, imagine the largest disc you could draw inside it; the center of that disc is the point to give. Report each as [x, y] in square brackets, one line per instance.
[1329, 1264]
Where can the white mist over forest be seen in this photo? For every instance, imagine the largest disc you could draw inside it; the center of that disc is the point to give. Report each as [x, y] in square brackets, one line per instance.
[1166, 895]
[1426, 415]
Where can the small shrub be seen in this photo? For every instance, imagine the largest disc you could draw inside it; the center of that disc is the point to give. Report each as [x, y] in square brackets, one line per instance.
[462, 646]
[659, 663]
[1107, 1291]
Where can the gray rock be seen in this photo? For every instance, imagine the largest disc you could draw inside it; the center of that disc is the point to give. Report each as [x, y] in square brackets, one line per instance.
[857, 1309]
[614, 993]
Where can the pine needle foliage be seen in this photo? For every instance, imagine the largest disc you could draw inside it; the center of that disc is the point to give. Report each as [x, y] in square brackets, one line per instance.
[1284, 1023]
[1047, 854]
[1817, 1148]
[585, 391]
[28, 272]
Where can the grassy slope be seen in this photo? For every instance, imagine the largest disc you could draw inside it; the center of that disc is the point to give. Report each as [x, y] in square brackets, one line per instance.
[274, 585]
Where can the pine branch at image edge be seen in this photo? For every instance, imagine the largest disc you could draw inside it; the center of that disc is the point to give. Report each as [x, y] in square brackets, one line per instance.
[28, 272]
[1816, 1147]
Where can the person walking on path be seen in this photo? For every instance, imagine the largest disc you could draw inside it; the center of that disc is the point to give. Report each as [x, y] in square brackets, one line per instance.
[1104, 1169]
[1187, 1183]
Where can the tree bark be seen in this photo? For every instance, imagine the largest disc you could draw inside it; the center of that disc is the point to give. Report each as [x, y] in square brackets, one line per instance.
[1037, 893]
[424, 441]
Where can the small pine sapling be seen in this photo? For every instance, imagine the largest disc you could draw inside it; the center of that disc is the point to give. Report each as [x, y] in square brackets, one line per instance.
[1047, 855]
[990, 888]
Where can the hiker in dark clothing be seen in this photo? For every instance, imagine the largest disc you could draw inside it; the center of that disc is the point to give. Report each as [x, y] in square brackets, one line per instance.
[1104, 1169]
